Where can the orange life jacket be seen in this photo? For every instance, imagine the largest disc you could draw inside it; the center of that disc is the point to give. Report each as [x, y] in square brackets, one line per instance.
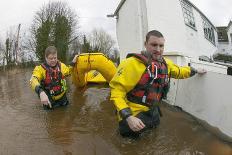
[153, 85]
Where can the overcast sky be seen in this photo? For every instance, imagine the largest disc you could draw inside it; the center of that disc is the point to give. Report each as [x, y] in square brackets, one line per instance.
[219, 12]
[93, 13]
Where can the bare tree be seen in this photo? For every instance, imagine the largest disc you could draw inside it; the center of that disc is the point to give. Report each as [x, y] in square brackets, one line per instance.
[2, 53]
[100, 41]
[115, 56]
[10, 51]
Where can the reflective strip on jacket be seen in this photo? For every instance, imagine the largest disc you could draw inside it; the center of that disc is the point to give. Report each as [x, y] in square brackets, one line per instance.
[127, 76]
[39, 74]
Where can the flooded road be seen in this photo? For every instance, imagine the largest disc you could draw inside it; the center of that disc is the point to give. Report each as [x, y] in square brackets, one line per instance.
[88, 126]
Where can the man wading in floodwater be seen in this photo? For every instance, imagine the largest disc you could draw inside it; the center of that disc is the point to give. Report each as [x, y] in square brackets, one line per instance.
[141, 81]
[48, 80]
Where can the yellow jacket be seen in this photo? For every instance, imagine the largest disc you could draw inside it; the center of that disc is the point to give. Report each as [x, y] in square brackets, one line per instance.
[39, 74]
[128, 75]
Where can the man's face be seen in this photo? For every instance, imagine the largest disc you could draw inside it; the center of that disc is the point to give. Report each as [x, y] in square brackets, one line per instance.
[155, 46]
[51, 59]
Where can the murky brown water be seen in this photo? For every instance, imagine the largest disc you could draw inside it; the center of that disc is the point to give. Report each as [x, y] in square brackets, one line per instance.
[88, 126]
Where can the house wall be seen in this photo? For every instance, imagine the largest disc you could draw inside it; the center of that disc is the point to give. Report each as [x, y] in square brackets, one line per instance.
[185, 61]
[131, 26]
[207, 97]
[229, 45]
[202, 46]
[168, 18]
[137, 17]
[224, 47]
[229, 32]
[201, 96]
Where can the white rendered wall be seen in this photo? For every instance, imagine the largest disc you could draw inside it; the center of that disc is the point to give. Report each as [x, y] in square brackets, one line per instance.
[137, 17]
[184, 61]
[131, 24]
[179, 59]
[167, 16]
[228, 46]
[229, 36]
[224, 47]
[208, 98]
[199, 95]
[202, 46]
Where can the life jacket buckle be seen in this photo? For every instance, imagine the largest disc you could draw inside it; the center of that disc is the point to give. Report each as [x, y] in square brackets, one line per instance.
[154, 72]
[52, 92]
[144, 99]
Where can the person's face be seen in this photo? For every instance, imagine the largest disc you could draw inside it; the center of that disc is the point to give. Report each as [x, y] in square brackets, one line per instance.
[155, 46]
[51, 59]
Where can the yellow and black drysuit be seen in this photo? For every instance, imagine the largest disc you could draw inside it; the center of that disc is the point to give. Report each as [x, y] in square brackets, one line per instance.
[52, 81]
[138, 87]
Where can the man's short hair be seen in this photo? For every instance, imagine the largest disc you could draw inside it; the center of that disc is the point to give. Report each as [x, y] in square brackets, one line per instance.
[50, 50]
[153, 33]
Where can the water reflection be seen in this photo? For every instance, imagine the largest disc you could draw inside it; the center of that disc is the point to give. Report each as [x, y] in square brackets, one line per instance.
[88, 126]
[94, 97]
[59, 126]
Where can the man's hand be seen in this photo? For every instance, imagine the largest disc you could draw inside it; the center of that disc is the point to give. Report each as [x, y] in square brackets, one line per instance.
[201, 71]
[135, 123]
[44, 99]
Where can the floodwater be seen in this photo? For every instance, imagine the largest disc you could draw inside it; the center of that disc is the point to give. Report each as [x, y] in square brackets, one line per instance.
[88, 126]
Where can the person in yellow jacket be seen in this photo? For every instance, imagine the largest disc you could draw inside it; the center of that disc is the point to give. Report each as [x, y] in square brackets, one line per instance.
[140, 83]
[48, 79]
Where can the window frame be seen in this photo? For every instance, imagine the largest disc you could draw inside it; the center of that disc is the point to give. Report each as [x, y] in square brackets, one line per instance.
[188, 15]
[208, 31]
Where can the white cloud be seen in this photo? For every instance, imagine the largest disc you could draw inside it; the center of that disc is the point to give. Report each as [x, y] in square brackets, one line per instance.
[92, 13]
[219, 12]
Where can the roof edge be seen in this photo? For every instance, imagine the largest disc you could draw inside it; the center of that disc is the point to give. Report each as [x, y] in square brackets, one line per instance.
[123, 1]
[229, 24]
[201, 13]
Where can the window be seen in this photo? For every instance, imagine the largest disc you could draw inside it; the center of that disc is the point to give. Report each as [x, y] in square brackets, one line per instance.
[188, 14]
[220, 35]
[208, 31]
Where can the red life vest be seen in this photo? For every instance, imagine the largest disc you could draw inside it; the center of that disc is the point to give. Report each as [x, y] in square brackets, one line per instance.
[54, 82]
[153, 85]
